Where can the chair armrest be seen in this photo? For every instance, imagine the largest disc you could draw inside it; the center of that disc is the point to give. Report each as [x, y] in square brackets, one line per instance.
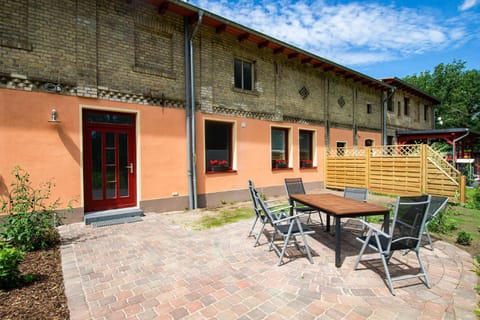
[286, 207]
[374, 229]
[289, 218]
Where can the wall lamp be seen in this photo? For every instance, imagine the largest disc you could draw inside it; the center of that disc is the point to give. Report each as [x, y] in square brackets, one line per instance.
[54, 117]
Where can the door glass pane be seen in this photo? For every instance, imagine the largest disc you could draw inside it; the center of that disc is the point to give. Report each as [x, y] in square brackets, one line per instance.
[123, 164]
[97, 180]
[109, 118]
[111, 191]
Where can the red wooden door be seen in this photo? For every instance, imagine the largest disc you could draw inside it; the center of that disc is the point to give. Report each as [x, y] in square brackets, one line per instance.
[109, 160]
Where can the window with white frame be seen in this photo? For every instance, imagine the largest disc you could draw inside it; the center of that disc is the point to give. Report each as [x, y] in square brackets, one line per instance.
[280, 146]
[218, 145]
[306, 146]
[243, 74]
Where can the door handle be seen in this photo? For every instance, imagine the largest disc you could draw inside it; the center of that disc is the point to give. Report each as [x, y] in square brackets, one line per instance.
[130, 167]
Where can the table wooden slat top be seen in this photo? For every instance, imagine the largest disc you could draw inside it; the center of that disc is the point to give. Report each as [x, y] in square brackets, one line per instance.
[339, 206]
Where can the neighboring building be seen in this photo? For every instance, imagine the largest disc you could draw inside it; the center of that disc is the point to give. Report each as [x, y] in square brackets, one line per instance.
[409, 108]
[163, 106]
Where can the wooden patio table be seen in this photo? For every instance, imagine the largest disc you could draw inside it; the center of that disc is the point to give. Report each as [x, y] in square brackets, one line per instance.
[340, 207]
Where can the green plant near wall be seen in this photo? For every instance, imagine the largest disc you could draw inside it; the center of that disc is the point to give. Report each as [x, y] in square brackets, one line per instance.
[31, 215]
[10, 259]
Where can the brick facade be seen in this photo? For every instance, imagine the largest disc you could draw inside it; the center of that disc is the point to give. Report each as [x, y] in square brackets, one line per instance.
[131, 55]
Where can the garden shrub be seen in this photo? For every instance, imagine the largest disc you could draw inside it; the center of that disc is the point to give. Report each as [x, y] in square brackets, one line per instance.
[31, 220]
[10, 259]
[442, 222]
[473, 201]
[464, 238]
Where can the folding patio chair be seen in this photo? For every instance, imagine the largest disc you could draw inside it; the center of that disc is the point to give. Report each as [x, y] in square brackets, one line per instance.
[359, 194]
[259, 214]
[295, 186]
[436, 205]
[288, 227]
[410, 215]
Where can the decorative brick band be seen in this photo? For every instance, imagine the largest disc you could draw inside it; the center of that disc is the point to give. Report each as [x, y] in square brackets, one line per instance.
[21, 82]
[243, 113]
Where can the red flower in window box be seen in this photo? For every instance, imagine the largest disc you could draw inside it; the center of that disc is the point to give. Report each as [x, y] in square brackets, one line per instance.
[279, 163]
[306, 163]
[218, 165]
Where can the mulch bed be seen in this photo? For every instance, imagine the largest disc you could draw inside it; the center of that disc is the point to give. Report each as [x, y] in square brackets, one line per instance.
[44, 298]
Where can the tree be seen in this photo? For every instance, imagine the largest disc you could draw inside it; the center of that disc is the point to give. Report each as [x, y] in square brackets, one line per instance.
[459, 91]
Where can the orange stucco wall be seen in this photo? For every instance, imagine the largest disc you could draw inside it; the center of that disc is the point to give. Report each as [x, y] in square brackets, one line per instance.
[253, 159]
[43, 149]
[55, 151]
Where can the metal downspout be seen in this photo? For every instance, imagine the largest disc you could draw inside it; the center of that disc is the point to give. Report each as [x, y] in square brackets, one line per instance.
[384, 124]
[454, 155]
[186, 23]
[191, 124]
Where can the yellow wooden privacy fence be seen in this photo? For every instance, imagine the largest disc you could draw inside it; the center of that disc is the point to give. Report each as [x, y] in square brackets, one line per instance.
[395, 170]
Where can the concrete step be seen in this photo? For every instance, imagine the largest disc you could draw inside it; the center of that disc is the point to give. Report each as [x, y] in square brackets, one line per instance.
[110, 215]
[106, 223]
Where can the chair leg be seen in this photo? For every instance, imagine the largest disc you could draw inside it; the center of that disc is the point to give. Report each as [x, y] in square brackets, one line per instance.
[253, 227]
[305, 243]
[257, 238]
[321, 219]
[362, 250]
[428, 238]
[387, 273]
[286, 239]
[271, 241]
[425, 275]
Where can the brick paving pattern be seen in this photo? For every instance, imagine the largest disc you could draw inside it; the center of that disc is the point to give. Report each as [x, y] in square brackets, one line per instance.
[158, 270]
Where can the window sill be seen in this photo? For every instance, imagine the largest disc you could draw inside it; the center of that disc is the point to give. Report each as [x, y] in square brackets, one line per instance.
[220, 172]
[280, 169]
[250, 92]
[313, 167]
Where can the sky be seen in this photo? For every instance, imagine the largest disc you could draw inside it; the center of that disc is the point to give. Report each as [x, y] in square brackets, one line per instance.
[380, 39]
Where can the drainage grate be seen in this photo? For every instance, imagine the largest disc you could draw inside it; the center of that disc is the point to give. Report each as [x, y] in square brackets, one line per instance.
[112, 222]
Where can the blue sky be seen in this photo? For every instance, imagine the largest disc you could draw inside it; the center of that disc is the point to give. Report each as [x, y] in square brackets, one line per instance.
[378, 38]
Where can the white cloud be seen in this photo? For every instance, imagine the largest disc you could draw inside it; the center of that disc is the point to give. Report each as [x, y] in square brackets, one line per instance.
[468, 4]
[351, 33]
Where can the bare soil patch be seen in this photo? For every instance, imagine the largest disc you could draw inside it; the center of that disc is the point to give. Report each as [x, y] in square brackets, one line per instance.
[44, 298]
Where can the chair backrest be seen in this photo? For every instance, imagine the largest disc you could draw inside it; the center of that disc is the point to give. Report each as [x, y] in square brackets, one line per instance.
[254, 196]
[294, 186]
[436, 205]
[409, 221]
[264, 208]
[359, 194]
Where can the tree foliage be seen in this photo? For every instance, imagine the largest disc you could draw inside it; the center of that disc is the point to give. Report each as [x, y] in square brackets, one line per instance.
[459, 91]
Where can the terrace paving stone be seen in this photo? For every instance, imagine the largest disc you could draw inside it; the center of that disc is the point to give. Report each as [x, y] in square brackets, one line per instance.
[155, 269]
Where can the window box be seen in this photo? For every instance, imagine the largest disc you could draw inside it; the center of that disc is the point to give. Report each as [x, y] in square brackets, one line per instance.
[306, 163]
[279, 164]
[218, 165]
[218, 168]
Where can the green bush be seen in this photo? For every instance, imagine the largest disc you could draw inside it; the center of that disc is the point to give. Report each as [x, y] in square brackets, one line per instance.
[31, 220]
[464, 238]
[473, 198]
[10, 259]
[443, 222]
